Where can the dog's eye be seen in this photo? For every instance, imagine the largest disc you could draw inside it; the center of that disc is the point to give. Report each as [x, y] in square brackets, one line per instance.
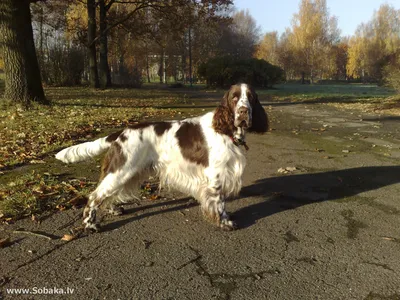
[235, 100]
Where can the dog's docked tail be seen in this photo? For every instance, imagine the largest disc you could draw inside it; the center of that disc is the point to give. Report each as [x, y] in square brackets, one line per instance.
[83, 151]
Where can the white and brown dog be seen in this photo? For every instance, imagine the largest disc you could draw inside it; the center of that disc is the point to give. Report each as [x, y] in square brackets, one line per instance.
[198, 156]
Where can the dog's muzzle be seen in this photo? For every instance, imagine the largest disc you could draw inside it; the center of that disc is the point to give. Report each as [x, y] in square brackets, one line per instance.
[243, 118]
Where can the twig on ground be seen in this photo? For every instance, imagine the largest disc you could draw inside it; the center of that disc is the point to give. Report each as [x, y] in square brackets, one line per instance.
[33, 233]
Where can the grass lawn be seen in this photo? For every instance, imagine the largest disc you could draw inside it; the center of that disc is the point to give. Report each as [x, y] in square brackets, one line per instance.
[345, 91]
[30, 138]
[367, 98]
[76, 113]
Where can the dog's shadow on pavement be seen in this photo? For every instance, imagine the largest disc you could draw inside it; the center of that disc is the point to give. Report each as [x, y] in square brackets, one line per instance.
[287, 192]
[131, 214]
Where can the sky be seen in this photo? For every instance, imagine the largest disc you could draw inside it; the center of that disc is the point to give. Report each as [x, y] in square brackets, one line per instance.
[272, 15]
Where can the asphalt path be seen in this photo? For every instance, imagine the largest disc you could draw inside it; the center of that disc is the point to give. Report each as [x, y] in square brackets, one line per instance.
[318, 218]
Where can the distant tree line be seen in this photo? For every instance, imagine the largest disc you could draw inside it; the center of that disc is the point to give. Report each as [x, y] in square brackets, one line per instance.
[101, 42]
[124, 42]
[312, 49]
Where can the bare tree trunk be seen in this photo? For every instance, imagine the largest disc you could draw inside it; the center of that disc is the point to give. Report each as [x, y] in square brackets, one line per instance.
[41, 52]
[22, 74]
[93, 74]
[190, 58]
[147, 67]
[312, 75]
[184, 63]
[161, 69]
[164, 69]
[104, 70]
[35, 88]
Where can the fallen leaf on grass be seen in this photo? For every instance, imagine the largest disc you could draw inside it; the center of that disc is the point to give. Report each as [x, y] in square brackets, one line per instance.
[36, 161]
[35, 219]
[153, 197]
[48, 195]
[60, 207]
[7, 221]
[68, 237]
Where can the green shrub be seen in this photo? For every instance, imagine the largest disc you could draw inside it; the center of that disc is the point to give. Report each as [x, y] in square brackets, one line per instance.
[224, 71]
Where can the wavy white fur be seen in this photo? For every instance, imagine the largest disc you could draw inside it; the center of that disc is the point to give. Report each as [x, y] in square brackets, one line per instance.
[83, 151]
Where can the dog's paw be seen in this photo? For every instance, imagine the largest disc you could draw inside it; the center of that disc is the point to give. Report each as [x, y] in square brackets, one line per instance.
[77, 231]
[116, 210]
[92, 228]
[227, 225]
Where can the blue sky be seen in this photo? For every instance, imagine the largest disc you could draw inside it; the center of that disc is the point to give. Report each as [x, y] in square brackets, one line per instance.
[274, 15]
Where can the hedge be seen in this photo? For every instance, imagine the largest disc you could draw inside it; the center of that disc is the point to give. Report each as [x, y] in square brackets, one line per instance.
[224, 71]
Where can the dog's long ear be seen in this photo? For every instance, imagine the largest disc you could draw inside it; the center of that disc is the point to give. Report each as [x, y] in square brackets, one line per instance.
[224, 101]
[259, 118]
[223, 121]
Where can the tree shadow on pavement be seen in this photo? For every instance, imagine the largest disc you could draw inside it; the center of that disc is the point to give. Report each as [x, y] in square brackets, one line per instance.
[287, 192]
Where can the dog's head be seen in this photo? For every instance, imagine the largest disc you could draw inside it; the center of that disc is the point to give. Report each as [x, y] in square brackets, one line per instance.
[242, 101]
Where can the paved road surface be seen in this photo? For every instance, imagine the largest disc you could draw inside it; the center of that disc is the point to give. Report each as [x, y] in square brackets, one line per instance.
[328, 230]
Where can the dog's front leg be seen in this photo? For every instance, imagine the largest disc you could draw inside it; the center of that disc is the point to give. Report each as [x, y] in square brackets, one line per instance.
[213, 205]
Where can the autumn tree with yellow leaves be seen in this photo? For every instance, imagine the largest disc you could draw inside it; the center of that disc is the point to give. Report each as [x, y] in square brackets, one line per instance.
[268, 48]
[374, 49]
[305, 49]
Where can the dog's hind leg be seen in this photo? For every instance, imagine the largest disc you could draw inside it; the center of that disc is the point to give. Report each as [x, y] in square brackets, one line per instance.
[116, 171]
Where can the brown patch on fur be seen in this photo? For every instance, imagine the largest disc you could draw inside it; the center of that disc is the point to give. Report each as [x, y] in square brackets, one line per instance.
[192, 143]
[141, 135]
[161, 127]
[223, 121]
[114, 160]
[123, 137]
[113, 137]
